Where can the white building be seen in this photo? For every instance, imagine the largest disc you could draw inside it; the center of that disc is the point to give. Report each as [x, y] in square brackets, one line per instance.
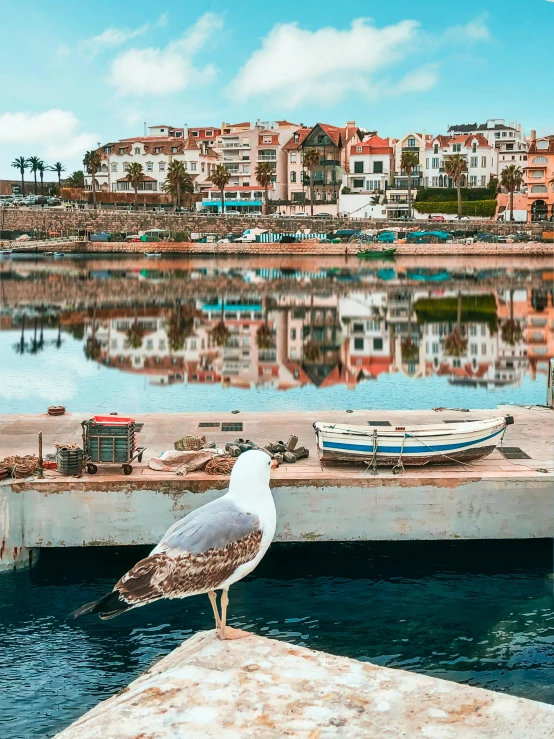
[481, 158]
[155, 153]
[509, 140]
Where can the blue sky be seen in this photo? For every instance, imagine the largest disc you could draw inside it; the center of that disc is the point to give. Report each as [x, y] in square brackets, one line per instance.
[74, 74]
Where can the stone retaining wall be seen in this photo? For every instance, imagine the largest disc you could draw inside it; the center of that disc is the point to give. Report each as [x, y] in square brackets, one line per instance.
[130, 222]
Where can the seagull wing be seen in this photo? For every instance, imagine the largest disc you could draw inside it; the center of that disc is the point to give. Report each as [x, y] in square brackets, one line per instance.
[197, 554]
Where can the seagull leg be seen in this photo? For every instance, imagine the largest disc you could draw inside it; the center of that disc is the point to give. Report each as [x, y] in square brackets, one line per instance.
[213, 600]
[228, 632]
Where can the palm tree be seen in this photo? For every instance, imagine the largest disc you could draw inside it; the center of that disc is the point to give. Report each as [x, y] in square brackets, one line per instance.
[408, 162]
[264, 174]
[310, 160]
[220, 178]
[179, 326]
[135, 334]
[178, 182]
[34, 166]
[21, 164]
[511, 329]
[455, 344]
[92, 162]
[42, 168]
[58, 168]
[454, 166]
[512, 179]
[76, 179]
[135, 177]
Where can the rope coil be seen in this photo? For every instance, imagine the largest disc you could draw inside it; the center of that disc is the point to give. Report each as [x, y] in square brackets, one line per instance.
[220, 465]
[20, 467]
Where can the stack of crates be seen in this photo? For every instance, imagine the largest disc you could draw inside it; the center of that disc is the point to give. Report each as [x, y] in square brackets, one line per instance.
[110, 439]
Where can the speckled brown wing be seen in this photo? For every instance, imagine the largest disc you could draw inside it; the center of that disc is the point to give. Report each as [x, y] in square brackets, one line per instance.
[178, 575]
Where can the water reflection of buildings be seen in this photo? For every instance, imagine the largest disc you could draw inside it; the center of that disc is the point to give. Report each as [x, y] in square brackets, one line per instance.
[329, 339]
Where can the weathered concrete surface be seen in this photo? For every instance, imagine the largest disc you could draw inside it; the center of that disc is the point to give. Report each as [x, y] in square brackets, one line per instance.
[257, 687]
[490, 499]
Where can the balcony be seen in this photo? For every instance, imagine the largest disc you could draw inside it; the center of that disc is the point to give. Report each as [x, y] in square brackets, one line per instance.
[230, 144]
[535, 337]
[265, 158]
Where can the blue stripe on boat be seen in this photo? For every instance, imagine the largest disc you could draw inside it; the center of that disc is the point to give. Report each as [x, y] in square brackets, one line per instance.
[398, 449]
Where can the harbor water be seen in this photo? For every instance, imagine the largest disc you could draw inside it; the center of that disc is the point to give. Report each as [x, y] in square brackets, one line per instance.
[476, 613]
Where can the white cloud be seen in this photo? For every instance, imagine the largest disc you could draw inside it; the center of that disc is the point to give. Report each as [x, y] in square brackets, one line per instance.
[162, 71]
[111, 37]
[302, 67]
[52, 134]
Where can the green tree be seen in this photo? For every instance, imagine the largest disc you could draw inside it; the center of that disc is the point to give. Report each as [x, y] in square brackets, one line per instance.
[58, 168]
[135, 176]
[455, 344]
[511, 179]
[455, 165]
[92, 162]
[311, 160]
[34, 166]
[220, 178]
[76, 179]
[135, 334]
[177, 182]
[264, 175]
[408, 162]
[21, 164]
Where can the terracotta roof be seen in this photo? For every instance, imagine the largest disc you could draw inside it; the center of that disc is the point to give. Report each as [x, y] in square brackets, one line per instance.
[466, 141]
[190, 142]
[285, 123]
[335, 133]
[373, 145]
[143, 178]
[291, 144]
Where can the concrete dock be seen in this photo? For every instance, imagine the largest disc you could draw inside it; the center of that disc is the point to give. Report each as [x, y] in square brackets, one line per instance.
[494, 498]
[258, 687]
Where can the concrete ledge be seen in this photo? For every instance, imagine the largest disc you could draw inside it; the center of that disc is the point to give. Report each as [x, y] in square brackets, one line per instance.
[257, 687]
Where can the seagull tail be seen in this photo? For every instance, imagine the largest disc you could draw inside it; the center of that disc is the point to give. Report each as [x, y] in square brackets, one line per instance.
[109, 606]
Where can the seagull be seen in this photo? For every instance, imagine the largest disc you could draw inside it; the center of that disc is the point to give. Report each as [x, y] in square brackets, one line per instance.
[208, 550]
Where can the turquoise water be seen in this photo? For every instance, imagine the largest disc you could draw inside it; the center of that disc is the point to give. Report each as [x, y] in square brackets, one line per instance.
[480, 614]
[32, 382]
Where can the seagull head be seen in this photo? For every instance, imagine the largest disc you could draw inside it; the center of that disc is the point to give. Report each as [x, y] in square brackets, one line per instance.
[252, 469]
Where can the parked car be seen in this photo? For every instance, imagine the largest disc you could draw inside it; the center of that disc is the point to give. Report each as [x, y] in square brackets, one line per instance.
[299, 214]
[255, 213]
[323, 215]
[100, 236]
[54, 201]
[232, 212]
[436, 218]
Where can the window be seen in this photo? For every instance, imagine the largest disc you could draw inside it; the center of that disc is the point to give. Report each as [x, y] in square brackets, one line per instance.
[358, 345]
[246, 169]
[203, 166]
[209, 133]
[473, 180]
[293, 157]
[358, 328]
[542, 145]
[539, 160]
[474, 162]
[149, 166]
[293, 334]
[456, 148]
[473, 330]
[359, 149]
[293, 176]
[358, 184]
[496, 135]
[483, 349]
[436, 149]
[509, 147]
[125, 166]
[483, 180]
[537, 174]
[539, 188]
[246, 183]
[427, 163]
[435, 182]
[474, 148]
[378, 344]
[174, 149]
[483, 330]
[377, 167]
[435, 348]
[107, 150]
[193, 166]
[411, 142]
[473, 348]
[504, 134]
[137, 149]
[359, 167]
[296, 138]
[266, 140]
[161, 166]
[435, 163]
[114, 166]
[122, 151]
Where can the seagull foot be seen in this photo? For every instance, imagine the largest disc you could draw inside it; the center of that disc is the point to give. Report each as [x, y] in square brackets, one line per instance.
[230, 633]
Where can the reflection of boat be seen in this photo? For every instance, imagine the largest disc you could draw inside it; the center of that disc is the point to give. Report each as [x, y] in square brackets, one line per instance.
[386, 274]
[58, 254]
[152, 254]
[376, 253]
[423, 277]
[5, 252]
[437, 443]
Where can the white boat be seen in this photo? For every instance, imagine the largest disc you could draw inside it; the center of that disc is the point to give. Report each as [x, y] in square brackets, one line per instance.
[434, 443]
[5, 252]
[152, 254]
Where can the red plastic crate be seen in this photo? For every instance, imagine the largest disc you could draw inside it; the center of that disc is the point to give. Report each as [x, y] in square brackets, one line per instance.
[113, 420]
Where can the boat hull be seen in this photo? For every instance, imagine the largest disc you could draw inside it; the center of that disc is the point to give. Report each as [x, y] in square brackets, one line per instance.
[418, 445]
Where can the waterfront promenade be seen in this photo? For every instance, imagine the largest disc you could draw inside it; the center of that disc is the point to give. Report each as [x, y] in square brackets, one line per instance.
[494, 498]
[267, 689]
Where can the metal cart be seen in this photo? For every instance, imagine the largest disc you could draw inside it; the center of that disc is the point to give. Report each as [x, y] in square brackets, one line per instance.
[111, 440]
